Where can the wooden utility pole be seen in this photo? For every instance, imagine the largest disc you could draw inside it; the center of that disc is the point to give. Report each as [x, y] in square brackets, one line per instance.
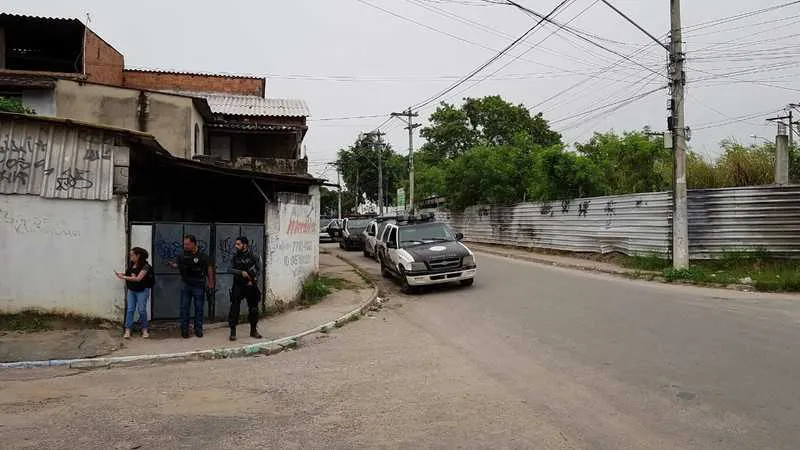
[680, 214]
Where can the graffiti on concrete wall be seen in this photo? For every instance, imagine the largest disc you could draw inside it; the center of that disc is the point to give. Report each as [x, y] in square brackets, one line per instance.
[301, 230]
[35, 224]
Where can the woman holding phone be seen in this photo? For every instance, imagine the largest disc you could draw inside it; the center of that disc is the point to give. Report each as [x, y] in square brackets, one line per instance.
[138, 279]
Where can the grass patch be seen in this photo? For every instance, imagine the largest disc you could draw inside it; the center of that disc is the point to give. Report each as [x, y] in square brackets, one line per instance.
[34, 321]
[645, 263]
[26, 321]
[317, 287]
[765, 273]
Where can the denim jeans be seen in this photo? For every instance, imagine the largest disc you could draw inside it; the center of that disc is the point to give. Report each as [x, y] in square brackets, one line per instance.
[190, 292]
[137, 301]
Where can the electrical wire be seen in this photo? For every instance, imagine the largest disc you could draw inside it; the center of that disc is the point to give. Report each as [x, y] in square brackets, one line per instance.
[522, 54]
[596, 44]
[491, 60]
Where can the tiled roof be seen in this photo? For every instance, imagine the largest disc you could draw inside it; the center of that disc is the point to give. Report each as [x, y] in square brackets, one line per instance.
[44, 18]
[183, 72]
[251, 105]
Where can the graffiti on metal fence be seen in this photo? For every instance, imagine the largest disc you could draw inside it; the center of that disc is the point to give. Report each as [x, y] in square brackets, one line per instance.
[583, 208]
[94, 154]
[17, 160]
[73, 179]
[170, 250]
[610, 208]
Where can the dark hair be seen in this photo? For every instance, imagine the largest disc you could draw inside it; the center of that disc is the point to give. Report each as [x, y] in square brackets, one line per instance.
[191, 238]
[243, 240]
[142, 254]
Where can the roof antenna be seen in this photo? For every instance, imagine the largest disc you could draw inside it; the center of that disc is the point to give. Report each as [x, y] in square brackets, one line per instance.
[88, 19]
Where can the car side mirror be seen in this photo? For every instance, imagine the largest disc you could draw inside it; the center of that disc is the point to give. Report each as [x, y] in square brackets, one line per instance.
[459, 236]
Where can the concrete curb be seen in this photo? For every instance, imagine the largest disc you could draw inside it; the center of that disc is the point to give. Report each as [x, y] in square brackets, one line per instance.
[260, 348]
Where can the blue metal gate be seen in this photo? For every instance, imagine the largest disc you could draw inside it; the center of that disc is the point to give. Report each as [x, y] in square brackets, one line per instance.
[225, 235]
[217, 240]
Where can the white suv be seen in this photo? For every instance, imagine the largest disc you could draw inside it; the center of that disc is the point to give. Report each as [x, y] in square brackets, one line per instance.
[373, 233]
[420, 252]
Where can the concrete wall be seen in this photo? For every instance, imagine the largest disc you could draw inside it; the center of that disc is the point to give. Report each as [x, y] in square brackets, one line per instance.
[101, 62]
[198, 140]
[292, 225]
[104, 105]
[59, 255]
[42, 101]
[170, 118]
[191, 82]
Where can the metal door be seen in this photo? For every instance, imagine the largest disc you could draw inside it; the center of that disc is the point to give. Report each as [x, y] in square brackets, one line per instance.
[167, 246]
[225, 235]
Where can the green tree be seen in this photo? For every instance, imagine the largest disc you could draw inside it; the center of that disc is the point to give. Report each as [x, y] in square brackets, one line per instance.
[746, 166]
[565, 175]
[487, 121]
[329, 202]
[488, 175]
[633, 162]
[700, 172]
[358, 165]
[14, 105]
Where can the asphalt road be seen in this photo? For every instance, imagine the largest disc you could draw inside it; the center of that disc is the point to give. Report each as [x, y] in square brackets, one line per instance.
[529, 357]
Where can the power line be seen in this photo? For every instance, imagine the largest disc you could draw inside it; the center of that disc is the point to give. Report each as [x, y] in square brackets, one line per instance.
[744, 15]
[656, 40]
[522, 54]
[596, 44]
[491, 60]
[624, 101]
[461, 39]
[370, 116]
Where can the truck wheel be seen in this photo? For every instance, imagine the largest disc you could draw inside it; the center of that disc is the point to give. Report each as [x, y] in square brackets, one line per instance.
[406, 288]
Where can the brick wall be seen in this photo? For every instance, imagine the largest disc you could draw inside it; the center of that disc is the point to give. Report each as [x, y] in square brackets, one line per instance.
[193, 82]
[102, 63]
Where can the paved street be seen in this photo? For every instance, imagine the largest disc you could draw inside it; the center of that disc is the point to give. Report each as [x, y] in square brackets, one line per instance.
[530, 357]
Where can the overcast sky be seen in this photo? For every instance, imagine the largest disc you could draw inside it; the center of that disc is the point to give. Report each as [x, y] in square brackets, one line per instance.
[346, 58]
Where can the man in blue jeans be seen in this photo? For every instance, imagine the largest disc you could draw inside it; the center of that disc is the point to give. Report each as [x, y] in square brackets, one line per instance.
[197, 274]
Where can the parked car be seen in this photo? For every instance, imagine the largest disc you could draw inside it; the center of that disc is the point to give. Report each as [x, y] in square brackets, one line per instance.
[351, 237]
[372, 235]
[334, 228]
[421, 252]
[325, 232]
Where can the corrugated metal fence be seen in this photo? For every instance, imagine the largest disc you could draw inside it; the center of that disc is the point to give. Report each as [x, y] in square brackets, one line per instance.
[720, 220]
[57, 161]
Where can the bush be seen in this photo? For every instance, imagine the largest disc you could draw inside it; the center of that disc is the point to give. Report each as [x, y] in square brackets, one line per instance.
[314, 290]
[13, 105]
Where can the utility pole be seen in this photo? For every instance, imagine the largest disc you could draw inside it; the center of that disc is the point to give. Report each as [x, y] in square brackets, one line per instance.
[680, 214]
[780, 122]
[381, 201]
[782, 143]
[339, 182]
[409, 115]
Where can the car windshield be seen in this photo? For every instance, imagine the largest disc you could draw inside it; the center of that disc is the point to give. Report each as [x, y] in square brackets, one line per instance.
[424, 234]
[357, 224]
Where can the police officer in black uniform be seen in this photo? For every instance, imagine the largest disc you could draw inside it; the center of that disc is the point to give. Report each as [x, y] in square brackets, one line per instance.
[245, 270]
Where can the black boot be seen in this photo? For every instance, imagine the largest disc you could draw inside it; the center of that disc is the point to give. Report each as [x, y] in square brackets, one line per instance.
[233, 334]
[254, 331]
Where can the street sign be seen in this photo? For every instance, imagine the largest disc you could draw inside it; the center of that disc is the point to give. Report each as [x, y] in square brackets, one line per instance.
[401, 197]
